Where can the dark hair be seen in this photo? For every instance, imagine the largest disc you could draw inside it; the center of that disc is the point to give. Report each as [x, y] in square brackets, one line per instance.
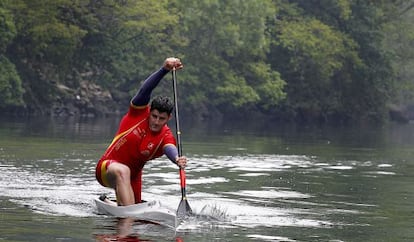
[163, 104]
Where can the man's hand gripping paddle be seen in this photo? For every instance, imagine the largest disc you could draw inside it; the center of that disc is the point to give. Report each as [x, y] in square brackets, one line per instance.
[184, 208]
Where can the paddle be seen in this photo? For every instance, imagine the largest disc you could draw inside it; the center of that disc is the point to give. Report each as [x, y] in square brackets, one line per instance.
[184, 208]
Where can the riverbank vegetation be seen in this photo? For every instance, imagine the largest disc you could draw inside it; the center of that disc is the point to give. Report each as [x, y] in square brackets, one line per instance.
[321, 61]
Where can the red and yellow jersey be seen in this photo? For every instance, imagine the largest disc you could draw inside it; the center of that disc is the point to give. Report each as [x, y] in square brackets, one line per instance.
[134, 143]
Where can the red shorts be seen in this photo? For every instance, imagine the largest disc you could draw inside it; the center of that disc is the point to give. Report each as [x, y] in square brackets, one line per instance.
[100, 172]
[101, 176]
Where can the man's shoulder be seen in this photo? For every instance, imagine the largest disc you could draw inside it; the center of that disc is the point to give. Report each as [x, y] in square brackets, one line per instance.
[138, 110]
[132, 118]
[166, 129]
[168, 135]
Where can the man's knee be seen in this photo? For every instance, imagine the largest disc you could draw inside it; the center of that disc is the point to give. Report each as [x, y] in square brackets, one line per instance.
[118, 172]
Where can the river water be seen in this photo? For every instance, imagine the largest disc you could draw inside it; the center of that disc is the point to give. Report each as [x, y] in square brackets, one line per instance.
[256, 182]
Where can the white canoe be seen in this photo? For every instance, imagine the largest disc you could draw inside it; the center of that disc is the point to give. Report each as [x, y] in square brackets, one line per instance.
[153, 212]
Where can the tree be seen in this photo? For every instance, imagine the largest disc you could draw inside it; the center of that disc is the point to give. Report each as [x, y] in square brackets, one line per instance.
[309, 60]
[11, 90]
[124, 39]
[330, 54]
[62, 42]
[399, 39]
[42, 49]
[10, 85]
[227, 46]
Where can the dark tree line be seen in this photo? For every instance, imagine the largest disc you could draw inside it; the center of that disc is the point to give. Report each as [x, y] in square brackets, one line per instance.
[303, 60]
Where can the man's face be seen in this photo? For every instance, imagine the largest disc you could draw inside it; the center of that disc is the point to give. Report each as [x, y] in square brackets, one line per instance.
[157, 120]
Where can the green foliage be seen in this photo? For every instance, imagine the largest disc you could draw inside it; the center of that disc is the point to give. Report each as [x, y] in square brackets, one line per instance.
[125, 39]
[270, 87]
[11, 90]
[310, 55]
[7, 29]
[399, 39]
[311, 60]
[47, 36]
[330, 54]
[43, 48]
[373, 84]
[314, 46]
[236, 91]
[225, 40]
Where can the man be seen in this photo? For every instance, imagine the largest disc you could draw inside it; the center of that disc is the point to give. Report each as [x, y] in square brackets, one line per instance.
[142, 135]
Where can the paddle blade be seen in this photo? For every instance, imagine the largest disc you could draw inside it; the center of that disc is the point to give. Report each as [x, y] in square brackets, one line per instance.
[184, 209]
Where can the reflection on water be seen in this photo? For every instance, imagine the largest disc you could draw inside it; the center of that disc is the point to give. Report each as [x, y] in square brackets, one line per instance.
[128, 229]
[288, 184]
[124, 232]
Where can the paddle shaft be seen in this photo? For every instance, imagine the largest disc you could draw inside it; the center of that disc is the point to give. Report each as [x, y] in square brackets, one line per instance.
[184, 208]
[177, 119]
[182, 182]
[177, 127]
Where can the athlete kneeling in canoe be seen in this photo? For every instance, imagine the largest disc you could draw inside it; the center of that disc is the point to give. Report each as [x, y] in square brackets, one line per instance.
[142, 135]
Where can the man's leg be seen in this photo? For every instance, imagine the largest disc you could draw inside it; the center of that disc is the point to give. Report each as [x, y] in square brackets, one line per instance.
[136, 184]
[119, 178]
